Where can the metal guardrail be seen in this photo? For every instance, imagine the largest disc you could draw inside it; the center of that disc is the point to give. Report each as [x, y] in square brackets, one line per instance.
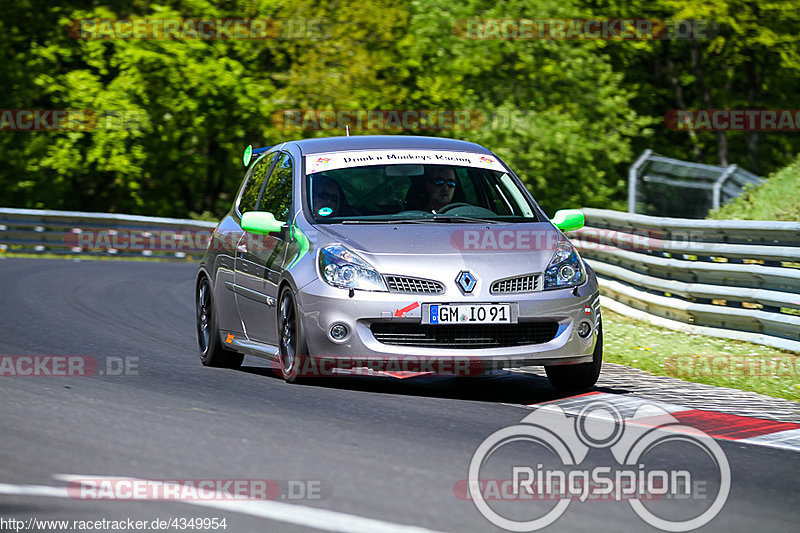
[80, 234]
[735, 275]
[658, 185]
[732, 275]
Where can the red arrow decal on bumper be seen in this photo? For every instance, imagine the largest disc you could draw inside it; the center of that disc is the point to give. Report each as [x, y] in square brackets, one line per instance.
[406, 309]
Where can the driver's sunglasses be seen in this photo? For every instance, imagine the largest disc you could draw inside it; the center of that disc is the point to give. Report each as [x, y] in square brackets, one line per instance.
[440, 182]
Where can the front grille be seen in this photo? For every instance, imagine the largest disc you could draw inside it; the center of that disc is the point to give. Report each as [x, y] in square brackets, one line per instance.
[469, 336]
[413, 285]
[527, 283]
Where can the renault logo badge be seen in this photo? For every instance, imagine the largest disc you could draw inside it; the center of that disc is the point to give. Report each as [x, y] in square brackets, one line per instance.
[466, 281]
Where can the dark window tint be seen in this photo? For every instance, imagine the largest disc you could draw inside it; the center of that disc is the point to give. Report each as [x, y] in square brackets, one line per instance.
[277, 198]
[253, 186]
[383, 192]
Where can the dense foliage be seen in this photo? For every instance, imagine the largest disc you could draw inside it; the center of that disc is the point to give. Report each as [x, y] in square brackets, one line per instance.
[568, 115]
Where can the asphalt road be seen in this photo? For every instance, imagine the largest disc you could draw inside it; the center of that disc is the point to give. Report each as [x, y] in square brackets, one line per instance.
[381, 453]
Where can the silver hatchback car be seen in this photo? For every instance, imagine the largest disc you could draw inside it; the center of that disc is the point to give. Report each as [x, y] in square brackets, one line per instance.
[395, 254]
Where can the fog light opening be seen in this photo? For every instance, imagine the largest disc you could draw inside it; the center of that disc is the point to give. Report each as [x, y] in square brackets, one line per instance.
[584, 329]
[339, 332]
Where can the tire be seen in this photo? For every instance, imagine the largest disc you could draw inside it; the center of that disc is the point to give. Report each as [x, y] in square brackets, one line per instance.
[569, 378]
[212, 353]
[291, 343]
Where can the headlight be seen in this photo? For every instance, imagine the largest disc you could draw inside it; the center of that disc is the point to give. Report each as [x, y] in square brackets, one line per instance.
[565, 269]
[342, 268]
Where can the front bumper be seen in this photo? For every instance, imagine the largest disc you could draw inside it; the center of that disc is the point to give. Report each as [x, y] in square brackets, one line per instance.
[321, 306]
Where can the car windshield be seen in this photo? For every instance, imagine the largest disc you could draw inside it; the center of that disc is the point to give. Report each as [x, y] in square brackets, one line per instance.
[416, 192]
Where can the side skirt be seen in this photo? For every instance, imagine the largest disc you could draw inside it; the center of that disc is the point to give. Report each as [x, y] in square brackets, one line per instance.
[248, 347]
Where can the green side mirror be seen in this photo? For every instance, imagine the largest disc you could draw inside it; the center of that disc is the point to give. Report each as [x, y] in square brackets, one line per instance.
[247, 155]
[261, 222]
[568, 219]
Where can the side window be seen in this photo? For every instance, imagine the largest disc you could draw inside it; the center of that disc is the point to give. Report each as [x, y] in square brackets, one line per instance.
[252, 188]
[277, 198]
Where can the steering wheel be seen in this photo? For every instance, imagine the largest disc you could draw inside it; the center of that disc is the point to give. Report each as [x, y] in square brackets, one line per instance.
[448, 207]
[413, 212]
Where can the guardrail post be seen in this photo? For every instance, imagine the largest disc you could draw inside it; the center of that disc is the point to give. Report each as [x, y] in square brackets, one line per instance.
[633, 176]
[715, 201]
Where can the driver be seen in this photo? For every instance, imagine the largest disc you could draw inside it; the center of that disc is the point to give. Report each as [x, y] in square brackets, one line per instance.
[441, 187]
[326, 196]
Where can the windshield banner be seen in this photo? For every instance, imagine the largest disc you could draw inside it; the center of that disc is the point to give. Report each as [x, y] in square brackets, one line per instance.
[363, 158]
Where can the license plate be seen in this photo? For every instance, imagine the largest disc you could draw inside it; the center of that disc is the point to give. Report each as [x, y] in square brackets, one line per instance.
[439, 314]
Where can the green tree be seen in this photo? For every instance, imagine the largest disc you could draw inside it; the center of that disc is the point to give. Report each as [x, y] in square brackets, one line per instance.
[556, 111]
[744, 56]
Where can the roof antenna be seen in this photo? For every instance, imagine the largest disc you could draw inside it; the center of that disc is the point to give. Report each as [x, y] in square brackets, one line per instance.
[347, 129]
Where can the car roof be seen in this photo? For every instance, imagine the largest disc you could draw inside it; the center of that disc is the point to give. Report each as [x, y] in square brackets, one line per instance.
[377, 142]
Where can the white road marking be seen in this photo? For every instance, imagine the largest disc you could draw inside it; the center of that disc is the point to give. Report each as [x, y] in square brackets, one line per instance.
[312, 517]
[787, 440]
[33, 490]
[626, 404]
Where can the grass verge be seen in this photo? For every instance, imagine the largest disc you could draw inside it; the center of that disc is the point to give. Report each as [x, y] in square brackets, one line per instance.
[722, 362]
[777, 198]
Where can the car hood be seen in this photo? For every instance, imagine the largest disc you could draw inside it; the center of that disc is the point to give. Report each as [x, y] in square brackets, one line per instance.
[414, 248]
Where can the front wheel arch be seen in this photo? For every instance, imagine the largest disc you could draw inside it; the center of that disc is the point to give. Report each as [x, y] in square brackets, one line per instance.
[574, 378]
[292, 345]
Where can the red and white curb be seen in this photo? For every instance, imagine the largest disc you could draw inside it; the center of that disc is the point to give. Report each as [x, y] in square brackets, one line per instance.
[724, 426]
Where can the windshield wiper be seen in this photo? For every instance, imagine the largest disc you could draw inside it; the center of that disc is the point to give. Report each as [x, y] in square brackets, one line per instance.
[461, 218]
[434, 218]
[396, 221]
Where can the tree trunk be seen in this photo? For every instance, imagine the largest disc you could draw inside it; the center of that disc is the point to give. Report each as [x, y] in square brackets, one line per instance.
[722, 140]
[753, 96]
[697, 151]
